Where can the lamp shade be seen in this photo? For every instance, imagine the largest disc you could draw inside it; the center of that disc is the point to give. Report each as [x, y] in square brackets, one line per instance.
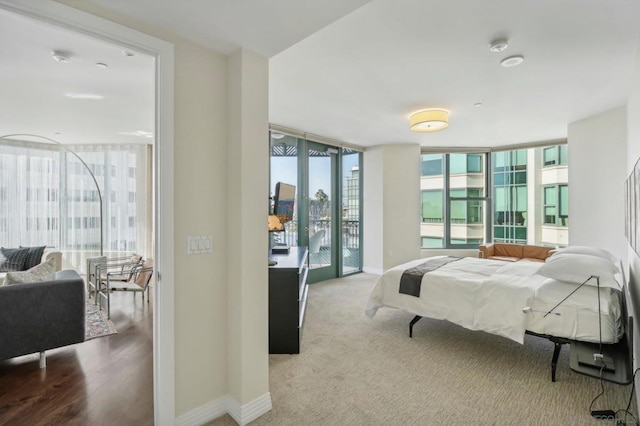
[429, 120]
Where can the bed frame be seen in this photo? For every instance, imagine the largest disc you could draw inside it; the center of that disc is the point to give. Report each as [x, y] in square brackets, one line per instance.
[557, 341]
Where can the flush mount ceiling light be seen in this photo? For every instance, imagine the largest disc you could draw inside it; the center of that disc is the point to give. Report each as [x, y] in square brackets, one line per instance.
[429, 120]
[275, 135]
[498, 45]
[61, 56]
[101, 65]
[512, 61]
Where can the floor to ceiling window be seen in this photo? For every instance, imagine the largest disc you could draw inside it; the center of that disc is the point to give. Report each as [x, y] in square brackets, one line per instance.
[47, 197]
[529, 201]
[327, 211]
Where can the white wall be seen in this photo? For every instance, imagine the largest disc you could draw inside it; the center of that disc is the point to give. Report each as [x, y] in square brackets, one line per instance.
[597, 149]
[391, 206]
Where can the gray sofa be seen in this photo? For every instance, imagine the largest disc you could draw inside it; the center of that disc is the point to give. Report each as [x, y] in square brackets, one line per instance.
[39, 316]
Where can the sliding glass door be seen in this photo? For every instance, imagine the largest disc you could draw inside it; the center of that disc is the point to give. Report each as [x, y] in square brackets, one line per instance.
[321, 210]
[327, 208]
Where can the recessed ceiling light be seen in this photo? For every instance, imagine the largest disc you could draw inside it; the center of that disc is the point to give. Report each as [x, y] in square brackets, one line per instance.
[128, 53]
[276, 135]
[498, 45]
[101, 65]
[512, 61]
[61, 56]
[90, 96]
[477, 104]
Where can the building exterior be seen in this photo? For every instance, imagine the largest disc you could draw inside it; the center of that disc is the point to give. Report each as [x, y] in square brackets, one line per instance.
[524, 198]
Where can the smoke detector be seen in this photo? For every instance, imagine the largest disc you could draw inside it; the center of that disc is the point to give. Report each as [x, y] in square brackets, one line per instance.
[499, 45]
[61, 56]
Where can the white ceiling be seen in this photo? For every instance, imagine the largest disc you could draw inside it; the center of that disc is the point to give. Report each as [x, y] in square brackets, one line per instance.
[353, 70]
[33, 86]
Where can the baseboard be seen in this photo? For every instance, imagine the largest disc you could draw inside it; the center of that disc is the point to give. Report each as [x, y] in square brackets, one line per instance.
[242, 414]
[250, 411]
[204, 413]
[373, 271]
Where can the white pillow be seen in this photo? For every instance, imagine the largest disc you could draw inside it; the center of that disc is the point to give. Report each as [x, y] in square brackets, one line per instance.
[591, 251]
[576, 268]
[43, 272]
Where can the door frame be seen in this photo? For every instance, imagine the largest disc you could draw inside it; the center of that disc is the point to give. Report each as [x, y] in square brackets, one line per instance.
[163, 321]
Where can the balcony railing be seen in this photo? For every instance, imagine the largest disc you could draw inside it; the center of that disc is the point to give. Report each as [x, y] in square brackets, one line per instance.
[350, 238]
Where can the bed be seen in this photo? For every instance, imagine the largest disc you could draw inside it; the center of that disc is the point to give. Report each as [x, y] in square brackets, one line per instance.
[509, 299]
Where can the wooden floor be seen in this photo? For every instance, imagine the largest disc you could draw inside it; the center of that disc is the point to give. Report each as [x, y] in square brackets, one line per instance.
[104, 381]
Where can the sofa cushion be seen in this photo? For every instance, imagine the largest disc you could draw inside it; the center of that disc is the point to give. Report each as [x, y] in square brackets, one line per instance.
[42, 272]
[507, 250]
[15, 259]
[536, 252]
[505, 258]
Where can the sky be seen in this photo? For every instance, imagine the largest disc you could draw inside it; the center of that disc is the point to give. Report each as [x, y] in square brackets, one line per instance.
[285, 169]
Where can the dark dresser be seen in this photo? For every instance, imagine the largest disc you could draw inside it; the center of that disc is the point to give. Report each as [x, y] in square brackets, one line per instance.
[287, 300]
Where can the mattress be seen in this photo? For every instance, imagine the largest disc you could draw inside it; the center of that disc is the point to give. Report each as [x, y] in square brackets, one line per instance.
[577, 317]
[503, 298]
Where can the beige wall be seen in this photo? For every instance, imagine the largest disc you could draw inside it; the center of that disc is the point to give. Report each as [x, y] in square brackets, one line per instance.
[202, 172]
[391, 206]
[248, 204]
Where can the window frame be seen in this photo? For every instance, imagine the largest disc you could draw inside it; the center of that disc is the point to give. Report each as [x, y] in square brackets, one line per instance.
[447, 199]
[557, 205]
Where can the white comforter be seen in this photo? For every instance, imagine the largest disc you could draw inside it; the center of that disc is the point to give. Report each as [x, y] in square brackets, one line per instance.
[478, 294]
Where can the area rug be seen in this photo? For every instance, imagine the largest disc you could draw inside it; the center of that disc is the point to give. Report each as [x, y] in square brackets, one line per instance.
[96, 322]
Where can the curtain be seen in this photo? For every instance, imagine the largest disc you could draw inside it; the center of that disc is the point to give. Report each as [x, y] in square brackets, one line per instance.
[48, 197]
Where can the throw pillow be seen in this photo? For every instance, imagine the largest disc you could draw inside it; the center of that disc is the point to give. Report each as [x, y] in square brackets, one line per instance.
[34, 256]
[577, 268]
[15, 259]
[42, 272]
[591, 251]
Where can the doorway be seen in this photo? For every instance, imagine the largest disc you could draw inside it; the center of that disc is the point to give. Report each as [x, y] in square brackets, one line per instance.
[163, 247]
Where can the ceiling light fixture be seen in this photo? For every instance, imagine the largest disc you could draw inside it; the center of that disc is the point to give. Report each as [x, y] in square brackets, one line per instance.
[499, 45]
[512, 61]
[61, 56]
[275, 135]
[128, 53]
[477, 104]
[101, 65]
[429, 120]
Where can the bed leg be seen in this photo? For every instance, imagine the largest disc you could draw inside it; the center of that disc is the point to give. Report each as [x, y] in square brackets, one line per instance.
[554, 360]
[411, 324]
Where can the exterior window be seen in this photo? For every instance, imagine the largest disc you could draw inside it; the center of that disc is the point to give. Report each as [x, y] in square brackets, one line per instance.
[453, 200]
[510, 196]
[556, 205]
[431, 165]
[432, 211]
[555, 156]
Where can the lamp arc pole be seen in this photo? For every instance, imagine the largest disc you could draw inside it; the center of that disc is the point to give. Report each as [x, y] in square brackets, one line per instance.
[70, 151]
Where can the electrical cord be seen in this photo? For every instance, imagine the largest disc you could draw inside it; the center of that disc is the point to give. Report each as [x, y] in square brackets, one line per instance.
[626, 410]
[601, 389]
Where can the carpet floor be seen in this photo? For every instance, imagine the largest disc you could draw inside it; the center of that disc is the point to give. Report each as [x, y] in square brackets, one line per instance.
[96, 322]
[357, 371]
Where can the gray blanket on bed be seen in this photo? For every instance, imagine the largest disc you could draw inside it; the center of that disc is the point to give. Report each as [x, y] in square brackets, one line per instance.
[411, 280]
